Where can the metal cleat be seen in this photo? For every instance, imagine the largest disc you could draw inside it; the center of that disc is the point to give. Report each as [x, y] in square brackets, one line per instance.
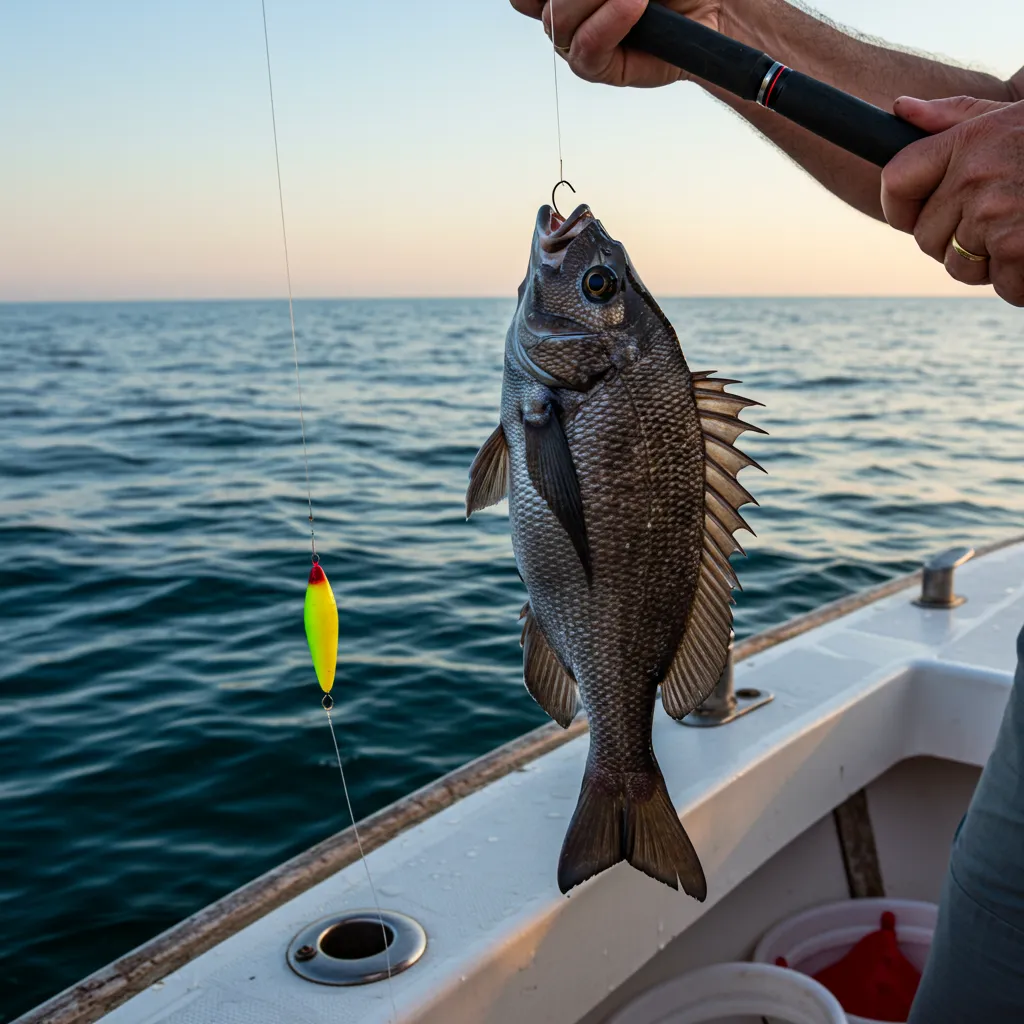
[726, 703]
[937, 579]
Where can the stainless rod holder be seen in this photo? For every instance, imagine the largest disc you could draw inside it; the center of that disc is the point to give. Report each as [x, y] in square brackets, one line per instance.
[726, 703]
[356, 948]
[937, 579]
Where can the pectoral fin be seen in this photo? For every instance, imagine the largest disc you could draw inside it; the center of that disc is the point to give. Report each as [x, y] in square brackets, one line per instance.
[553, 474]
[550, 685]
[488, 476]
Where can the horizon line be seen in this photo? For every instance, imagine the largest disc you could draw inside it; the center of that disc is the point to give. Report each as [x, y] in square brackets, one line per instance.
[466, 298]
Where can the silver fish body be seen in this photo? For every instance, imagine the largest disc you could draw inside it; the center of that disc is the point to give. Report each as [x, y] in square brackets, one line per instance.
[605, 452]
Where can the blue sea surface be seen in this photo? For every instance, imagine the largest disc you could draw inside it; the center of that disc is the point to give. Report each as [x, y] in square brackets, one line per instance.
[161, 736]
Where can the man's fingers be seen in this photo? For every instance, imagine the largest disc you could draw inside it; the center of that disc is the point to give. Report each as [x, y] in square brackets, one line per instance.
[937, 221]
[938, 115]
[1005, 247]
[531, 8]
[900, 213]
[911, 177]
[589, 35]
[1008, 282]
[568, 16]
[1017, 84]
[597, 40]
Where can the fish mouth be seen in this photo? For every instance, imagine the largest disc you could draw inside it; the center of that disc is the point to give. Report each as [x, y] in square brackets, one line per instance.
[555, 233]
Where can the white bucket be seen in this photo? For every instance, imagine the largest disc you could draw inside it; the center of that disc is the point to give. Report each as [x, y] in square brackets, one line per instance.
[823, 935]
[735, 990]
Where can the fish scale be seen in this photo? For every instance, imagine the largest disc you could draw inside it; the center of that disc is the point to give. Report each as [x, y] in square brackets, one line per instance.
[639, 602]
[621, 477]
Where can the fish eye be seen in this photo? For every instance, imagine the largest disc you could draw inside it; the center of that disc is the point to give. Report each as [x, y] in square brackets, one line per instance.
[600, 284]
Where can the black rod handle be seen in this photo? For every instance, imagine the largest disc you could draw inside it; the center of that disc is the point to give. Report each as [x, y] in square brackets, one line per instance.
[860, 128]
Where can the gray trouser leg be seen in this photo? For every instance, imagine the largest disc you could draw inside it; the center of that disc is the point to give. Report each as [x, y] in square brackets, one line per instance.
[975, 973]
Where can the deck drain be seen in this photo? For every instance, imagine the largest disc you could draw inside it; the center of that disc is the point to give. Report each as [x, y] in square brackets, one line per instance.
[353, 948]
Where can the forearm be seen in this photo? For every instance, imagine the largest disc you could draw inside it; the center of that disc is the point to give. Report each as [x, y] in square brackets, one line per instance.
[866, 69]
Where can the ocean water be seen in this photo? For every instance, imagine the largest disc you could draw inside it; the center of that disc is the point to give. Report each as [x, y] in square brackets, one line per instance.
[161, 737]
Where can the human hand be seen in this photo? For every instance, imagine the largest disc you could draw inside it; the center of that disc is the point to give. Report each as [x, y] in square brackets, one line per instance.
[589, 35]
[967, 180]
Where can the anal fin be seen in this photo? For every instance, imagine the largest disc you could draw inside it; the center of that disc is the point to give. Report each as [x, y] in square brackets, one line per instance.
[546, 678]
[701, 656]
[488, 476]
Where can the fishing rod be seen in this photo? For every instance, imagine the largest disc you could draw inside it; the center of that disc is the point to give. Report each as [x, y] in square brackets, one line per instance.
[858, 127]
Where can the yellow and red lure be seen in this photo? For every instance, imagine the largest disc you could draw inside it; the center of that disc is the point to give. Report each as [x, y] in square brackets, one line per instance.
[321, 618]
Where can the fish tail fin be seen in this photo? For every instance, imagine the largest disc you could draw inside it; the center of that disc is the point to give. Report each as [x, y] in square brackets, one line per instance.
[629, 817]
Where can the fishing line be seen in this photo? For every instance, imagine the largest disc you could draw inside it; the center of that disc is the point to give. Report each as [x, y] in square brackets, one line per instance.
[558, 109]
[320, 645]
[288, 278]
[554, 70]
[328, 704]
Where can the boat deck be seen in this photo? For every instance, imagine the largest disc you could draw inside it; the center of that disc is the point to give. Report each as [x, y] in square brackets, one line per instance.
[854, 697]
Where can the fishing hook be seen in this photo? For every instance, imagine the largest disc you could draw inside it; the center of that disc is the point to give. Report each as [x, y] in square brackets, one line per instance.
[554, 190]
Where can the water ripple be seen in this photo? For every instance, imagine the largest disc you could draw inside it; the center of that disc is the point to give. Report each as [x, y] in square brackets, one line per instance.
[161, 741]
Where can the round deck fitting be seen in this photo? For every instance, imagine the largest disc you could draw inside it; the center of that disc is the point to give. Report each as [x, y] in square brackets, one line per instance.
[357, 947]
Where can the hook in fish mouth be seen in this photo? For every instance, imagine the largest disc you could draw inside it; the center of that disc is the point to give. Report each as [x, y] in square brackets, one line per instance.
[553, 227]
[568, 185]
[554, 233]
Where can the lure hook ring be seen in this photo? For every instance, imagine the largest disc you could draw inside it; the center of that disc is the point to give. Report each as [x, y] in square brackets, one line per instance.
[554, 204]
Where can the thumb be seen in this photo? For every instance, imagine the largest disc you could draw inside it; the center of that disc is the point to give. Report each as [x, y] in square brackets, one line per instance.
[938, 115]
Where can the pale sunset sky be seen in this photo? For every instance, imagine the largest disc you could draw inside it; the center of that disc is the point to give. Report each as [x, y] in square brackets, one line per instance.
[417, 141]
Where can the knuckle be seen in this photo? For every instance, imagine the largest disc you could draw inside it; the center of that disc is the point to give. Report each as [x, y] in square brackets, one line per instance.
[590, 58]
[975, 170]
[973, 106]
[892, 178]
[962, 104]
[991, 208]
[589, 46]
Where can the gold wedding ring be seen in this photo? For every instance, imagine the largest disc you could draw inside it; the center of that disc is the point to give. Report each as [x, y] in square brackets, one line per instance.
[563, 50]
[966, 253]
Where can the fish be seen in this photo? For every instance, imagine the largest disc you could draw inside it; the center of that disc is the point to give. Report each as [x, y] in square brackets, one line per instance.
[621, 474]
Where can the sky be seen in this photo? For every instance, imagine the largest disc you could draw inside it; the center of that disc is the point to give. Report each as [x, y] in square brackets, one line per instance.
[417, 142]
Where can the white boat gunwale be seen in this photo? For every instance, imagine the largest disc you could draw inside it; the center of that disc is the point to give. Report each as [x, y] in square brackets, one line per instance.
[112, 986]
